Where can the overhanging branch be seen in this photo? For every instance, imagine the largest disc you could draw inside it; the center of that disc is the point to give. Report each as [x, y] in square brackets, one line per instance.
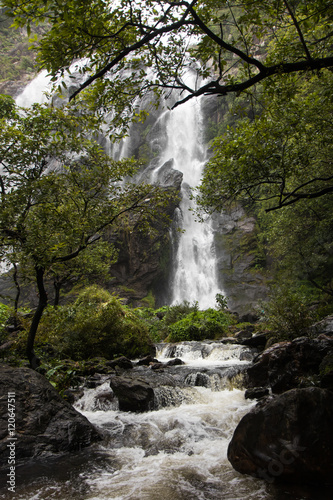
[301, 196]
[215, 88]
[145, 40]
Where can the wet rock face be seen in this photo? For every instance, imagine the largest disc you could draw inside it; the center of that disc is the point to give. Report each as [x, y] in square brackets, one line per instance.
[239, 260]
[45, 424]
[288, 365]
[287, 438]
[144, 261]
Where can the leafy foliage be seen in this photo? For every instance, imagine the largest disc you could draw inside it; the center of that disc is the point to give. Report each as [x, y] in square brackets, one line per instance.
[300, 242]
[97, 324]
[288, 313]
[200, 325]
[280, 157]
[133, 46]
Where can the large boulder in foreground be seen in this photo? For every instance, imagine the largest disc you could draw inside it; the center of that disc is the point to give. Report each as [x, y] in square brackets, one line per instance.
[287, 438]
[45, 424]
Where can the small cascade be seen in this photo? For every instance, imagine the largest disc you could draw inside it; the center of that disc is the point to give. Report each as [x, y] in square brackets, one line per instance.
[212, 365]
[99, 398]
[207, 353]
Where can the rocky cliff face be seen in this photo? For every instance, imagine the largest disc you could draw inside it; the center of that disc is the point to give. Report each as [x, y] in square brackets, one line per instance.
[142, 270]
[240, 261]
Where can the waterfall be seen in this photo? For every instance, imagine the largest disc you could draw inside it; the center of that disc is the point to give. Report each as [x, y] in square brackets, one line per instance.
[180, 144]
[194, 275]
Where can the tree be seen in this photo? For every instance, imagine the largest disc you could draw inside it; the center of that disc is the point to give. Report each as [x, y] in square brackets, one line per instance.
[135, 45]
[91, 266]
[282, 156]
[301, 244]
[58, 192]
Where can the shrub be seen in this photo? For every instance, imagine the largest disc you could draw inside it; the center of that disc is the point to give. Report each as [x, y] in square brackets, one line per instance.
[288, 313]
[200, 325]
[97, 324]
[179, 311]
[158, 321]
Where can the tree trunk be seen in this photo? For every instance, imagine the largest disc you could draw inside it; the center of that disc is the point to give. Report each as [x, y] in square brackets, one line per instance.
[18, 293]
[57, 286]
[42, 303]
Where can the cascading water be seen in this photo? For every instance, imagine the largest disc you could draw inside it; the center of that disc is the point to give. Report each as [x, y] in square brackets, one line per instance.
[177, 451]
[194, 277]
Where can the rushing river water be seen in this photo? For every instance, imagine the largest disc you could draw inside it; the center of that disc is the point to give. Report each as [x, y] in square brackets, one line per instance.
[175, 452]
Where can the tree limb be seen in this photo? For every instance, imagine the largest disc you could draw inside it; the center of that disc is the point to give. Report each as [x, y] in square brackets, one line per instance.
[215, 87]
[299, 31]
[135, 46]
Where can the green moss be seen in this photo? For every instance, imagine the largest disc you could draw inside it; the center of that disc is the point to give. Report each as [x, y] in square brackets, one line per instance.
[149, 300]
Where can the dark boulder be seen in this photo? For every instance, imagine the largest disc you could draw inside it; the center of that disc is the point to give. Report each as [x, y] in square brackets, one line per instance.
[147, 361]
[256, 393]
[287, 438]
[257, 341]
[122, 362]
[158, 366]
[175, 362]
[45, 424]
[288, 365]
[243, 335]
[133, 394]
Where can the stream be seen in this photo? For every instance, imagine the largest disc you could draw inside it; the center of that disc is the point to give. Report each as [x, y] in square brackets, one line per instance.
[177, 451]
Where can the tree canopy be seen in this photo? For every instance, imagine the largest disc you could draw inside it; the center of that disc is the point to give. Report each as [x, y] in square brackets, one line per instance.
[282, 156]
[132, 46]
